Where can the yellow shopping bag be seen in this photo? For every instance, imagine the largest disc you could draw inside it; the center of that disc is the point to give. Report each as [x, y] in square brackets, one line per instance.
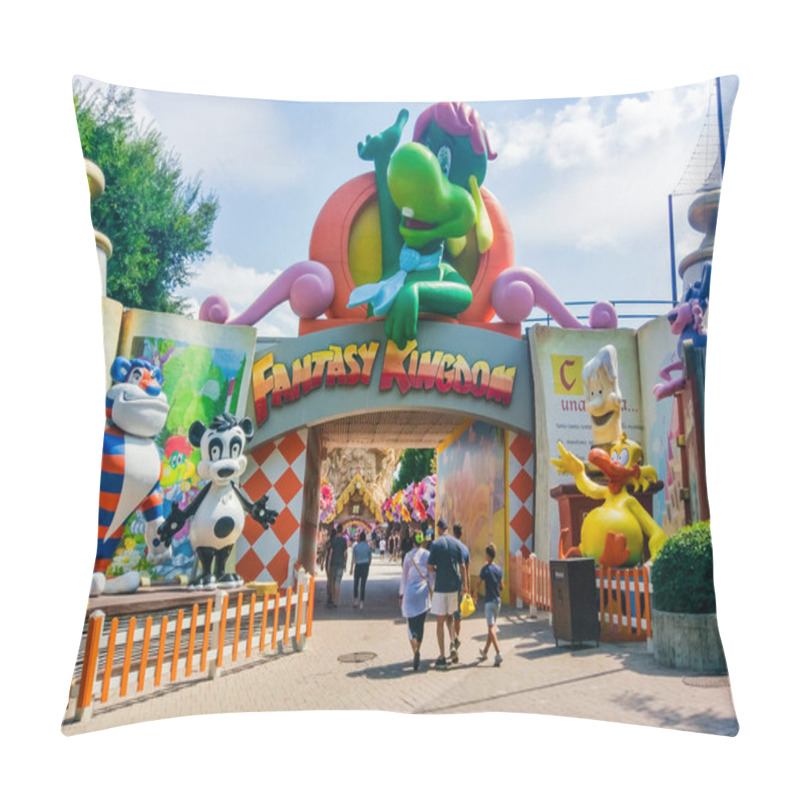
[467, 605]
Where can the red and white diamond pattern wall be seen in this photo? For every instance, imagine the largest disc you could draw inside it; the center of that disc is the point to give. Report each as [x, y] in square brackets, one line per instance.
[520, 494]
[277, 468]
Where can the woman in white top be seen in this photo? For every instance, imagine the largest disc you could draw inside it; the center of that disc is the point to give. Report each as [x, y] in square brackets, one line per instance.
[415, 593]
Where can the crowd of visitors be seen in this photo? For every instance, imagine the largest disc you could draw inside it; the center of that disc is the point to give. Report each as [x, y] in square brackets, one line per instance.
[435, 579]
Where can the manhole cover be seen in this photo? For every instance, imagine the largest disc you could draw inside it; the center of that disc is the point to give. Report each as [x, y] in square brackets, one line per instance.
[357, 658]
[708, 681]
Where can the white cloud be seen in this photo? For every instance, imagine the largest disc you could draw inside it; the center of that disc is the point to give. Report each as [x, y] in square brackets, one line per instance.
[236, 143]
[240, 286]
[610, 206]
[519, 140]
[577, 136]
[608, 168]
[590, 130]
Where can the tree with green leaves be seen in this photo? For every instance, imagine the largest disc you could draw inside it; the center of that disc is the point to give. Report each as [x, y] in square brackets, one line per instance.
[415, 464]
[158, 221]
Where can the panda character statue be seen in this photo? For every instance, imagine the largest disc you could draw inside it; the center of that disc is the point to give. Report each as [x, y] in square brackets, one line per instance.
[136, 411]
[217, 513]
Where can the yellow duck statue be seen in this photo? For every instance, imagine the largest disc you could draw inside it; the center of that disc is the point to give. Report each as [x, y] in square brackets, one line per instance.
[613, 533]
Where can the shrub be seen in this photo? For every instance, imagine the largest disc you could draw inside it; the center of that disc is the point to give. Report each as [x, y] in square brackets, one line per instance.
[683, 572]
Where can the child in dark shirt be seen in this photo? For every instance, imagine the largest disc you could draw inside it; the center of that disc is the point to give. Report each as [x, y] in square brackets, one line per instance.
[491, 576]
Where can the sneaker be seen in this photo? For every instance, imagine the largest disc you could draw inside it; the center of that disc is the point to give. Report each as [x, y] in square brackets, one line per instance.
[482, 655]
[457, 643]
[498, 660]
[355, 602]
[441, 663]
[454, 653]
[361, 604]
[416, 660]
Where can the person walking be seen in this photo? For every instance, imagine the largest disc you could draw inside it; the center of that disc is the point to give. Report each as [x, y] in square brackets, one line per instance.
[446, 563]
[457, 533]
[349, 542]
[359, 568]
[337, 558]
[326, 563]
[390, 547]
[491, 576]
[415, 594]
[407, 544]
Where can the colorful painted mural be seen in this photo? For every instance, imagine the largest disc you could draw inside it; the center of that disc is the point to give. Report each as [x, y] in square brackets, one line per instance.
[206, 371]
[471, 489]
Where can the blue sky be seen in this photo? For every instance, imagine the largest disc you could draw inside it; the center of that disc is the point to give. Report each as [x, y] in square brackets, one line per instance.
[584, 182]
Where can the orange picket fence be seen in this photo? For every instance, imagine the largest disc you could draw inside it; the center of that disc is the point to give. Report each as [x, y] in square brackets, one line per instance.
[623, 596]
[624, 604]
[529, 580]
[216, 633]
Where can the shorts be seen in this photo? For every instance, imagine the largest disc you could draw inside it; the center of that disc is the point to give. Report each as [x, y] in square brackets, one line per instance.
[416, 627]
[336, 574]
[444, 604]
[492, 609]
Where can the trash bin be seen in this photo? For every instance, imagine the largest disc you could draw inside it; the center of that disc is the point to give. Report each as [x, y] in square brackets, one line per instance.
[574, 604]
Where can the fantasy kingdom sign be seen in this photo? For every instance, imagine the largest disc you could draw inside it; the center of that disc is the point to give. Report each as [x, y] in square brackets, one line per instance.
[404, 370]
[350, 368]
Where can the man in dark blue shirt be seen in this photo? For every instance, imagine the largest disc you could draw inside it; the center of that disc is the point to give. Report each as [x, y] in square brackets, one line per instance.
[457, 532]
[337, 560]
[492, 578]
[446, 562]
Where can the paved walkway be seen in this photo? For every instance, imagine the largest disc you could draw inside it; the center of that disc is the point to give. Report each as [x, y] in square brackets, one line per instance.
[361, 659]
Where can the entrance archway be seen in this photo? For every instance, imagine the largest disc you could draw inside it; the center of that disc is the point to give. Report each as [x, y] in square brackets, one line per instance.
[348, 386]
